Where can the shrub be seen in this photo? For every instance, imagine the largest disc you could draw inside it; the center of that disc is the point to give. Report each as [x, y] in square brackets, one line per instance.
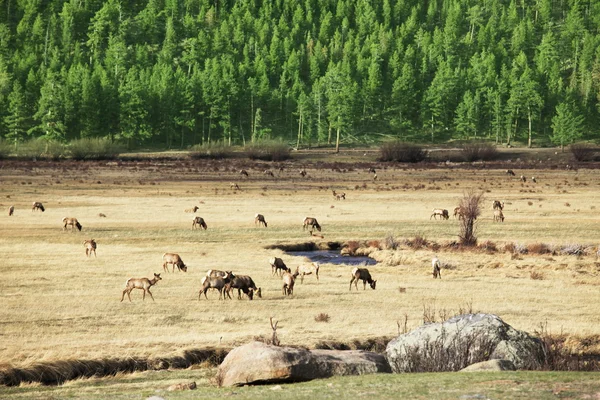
[479, 152]
[390, 242]
[94, 149]
[40, 149]
[536, 275]
[582, 151]
[417, 243]
[268, 151]
[4, 149]
[213, 150]
[538, 248]
[471, 209]
[402, 152]
[322, 317]
[488, 246]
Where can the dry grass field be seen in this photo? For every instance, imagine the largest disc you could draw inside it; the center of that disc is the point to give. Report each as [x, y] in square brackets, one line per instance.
[57, 304]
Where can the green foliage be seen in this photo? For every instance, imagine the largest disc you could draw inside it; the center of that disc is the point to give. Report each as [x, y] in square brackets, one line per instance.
[94, 149]
[567, 125]
[5, 149]
[214, 150]
[398, 151]
[268, 150]
[40, 149]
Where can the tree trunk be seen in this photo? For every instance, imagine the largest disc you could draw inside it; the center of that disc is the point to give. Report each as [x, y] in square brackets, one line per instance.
[337, 139]
[529, 139]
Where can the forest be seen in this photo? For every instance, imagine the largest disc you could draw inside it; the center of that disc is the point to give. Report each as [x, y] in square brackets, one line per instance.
[176, 73]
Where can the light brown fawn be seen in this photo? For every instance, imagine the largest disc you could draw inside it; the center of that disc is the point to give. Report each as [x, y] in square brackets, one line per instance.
[140, 283]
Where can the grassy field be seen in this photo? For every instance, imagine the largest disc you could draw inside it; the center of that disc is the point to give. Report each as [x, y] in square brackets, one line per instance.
[57, 304]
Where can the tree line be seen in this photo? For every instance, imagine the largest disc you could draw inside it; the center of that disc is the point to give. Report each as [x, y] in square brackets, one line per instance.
[175, 73]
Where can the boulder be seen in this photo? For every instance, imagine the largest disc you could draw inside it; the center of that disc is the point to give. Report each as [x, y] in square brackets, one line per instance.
[490, 366]
[259, 363]
[461, 341]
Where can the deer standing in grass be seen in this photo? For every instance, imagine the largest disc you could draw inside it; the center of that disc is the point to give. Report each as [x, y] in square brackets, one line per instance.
[288, 283]
[277, 265]
[260, 220]
[72, 222]
[441, 212]
[498, 216]
[11, 210]
[308, 269]
[309, 221]
[435, 264]
[140, 283]
[192, 210]
[364, 275]
[90, 247]
[37, 206]
[198, 222]
[175, 260]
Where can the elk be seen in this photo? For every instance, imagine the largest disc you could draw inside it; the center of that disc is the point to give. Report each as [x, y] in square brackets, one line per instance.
[175, 260]
[71, 221]
[288, 283]
[498, 216]
[244, 172]
[510, 172]
[372, 170]
[441, 212]
[243, 283]
[11, 210]
[339, 196]
[533, 179]
[192, 210]
[303, 173]
[90, 247]
[140, 283]
[308, 269]
[277, 265]
[364, 275]
[234, 186]
[269, 173]
[214, 282]
[37, 206]
[309, 221]
[436, 265]
[523, 179]
[102, 215]
[498, 205]
[260, 220]
[458, 213]
[198, 222]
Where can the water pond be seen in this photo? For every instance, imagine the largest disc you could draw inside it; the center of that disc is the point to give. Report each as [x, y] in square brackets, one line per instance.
[332, 257]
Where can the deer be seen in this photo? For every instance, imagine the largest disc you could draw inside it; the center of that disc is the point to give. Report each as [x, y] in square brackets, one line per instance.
[303, 173]
[212, 281]
[310, 221]
[458, 213]
[192, 210]
[498, 205]
[372, 170]
[498, 216]
[37, 206]
[277, 265]
[308, 269]
[234, 186]
[339, 196]
[101, 215]
[11, 210]
[140, 283]
[523, 179]
[260, 220]
[510, 172]
[175, 260]
[72, 222]
[198, 222]
[436, 265]
[244, 172]
[288, 283]
[441, 212]
[269, 173]
[243, 283]
[90, 247]
[364, 275]
[533, 179]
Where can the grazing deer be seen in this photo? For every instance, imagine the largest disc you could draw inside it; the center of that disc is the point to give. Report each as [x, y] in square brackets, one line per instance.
[498, 205]
[72, 222]
[523, 179]
[288, 283]
[243, 283]
[308, 269]
[90, 247]
[533, 179]
[11, 210]
[436, 265]
[102, 215]
[192, 210]
[303, 173]
[277, 265]
[339, 196]
[175, 260]
[372, 170]
[260, 220]
[310, 221]
[498, 216]
[37, 206]
[244, 172]
[234, 186]
[269, 173]
[140, 283]
[198, 222]
[212, 281]
[458, 213]
[510, 172]
[441, 212]
[364, 275]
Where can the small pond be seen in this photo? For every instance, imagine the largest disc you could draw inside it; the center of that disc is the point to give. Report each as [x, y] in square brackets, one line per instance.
[332, 257]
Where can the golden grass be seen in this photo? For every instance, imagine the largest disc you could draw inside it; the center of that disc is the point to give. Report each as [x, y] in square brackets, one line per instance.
[57, 304]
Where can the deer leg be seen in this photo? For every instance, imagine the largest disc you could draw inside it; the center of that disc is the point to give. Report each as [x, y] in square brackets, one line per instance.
[144, 294]
[302, 278]
[364, 285]
[351, 280]
[150, 293]
[123, 295]
[129, 294]
[165, 267]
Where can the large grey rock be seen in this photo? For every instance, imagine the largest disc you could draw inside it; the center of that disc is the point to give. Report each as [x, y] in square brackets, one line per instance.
[491, 365]
[257, 363]
[460, 341]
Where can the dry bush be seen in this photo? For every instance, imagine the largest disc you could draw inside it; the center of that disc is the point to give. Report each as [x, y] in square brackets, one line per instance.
[559, 356]
[530, 203]
[538, 276]
[402, 289]
[351, 247]
[213, 150]
[417, 242]
[488, 246]
[374, 243]
[390, 242]
[509, 247]
[470, 206]
[567, 204]
[402, 152]
[479, 152]
[538, 248]
[322, 317]
[268, 151]
[582, 151]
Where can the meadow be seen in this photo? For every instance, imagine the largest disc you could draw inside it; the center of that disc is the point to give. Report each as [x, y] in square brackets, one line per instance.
[57, 304]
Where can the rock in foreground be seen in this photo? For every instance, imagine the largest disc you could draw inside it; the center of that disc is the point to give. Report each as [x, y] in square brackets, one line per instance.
[259, 363]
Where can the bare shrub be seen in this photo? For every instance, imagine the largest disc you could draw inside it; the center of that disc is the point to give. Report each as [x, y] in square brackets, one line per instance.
[470, 208]
[537, 275]
[417, 242]
[572, 250]
[479, 151]
[488, 246]
[322, 317]
[352, 246]
[269, 150]
[558, 357]
[582, 151]
[213, 150]
[402, 152]
[390, 242]
[538, 248]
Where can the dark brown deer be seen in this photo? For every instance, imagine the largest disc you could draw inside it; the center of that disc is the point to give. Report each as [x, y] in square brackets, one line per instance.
[269, 173]
[244, 172]
[303, 173]
[498, 205]
[435, 264]
[37, 206]
[72, 222]
[458, 213]
[277, 265]
[364, 275]
[140, 283]
[215, 282]
[310, 221]
[90, 247]
[443, 214]
[260, 220]
[198, 222]
[288, 283]
[510, 172]
[11, 210]
[243, 283]
[523, 179]
[175, 260]
[308, 269]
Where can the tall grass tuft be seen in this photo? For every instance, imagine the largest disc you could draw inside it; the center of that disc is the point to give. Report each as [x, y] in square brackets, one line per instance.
[268, 150]
[582, 151]
[398, 151]
[4, 149]
[94, 149]
[213, 150]
[40, 149]
[470, 206]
